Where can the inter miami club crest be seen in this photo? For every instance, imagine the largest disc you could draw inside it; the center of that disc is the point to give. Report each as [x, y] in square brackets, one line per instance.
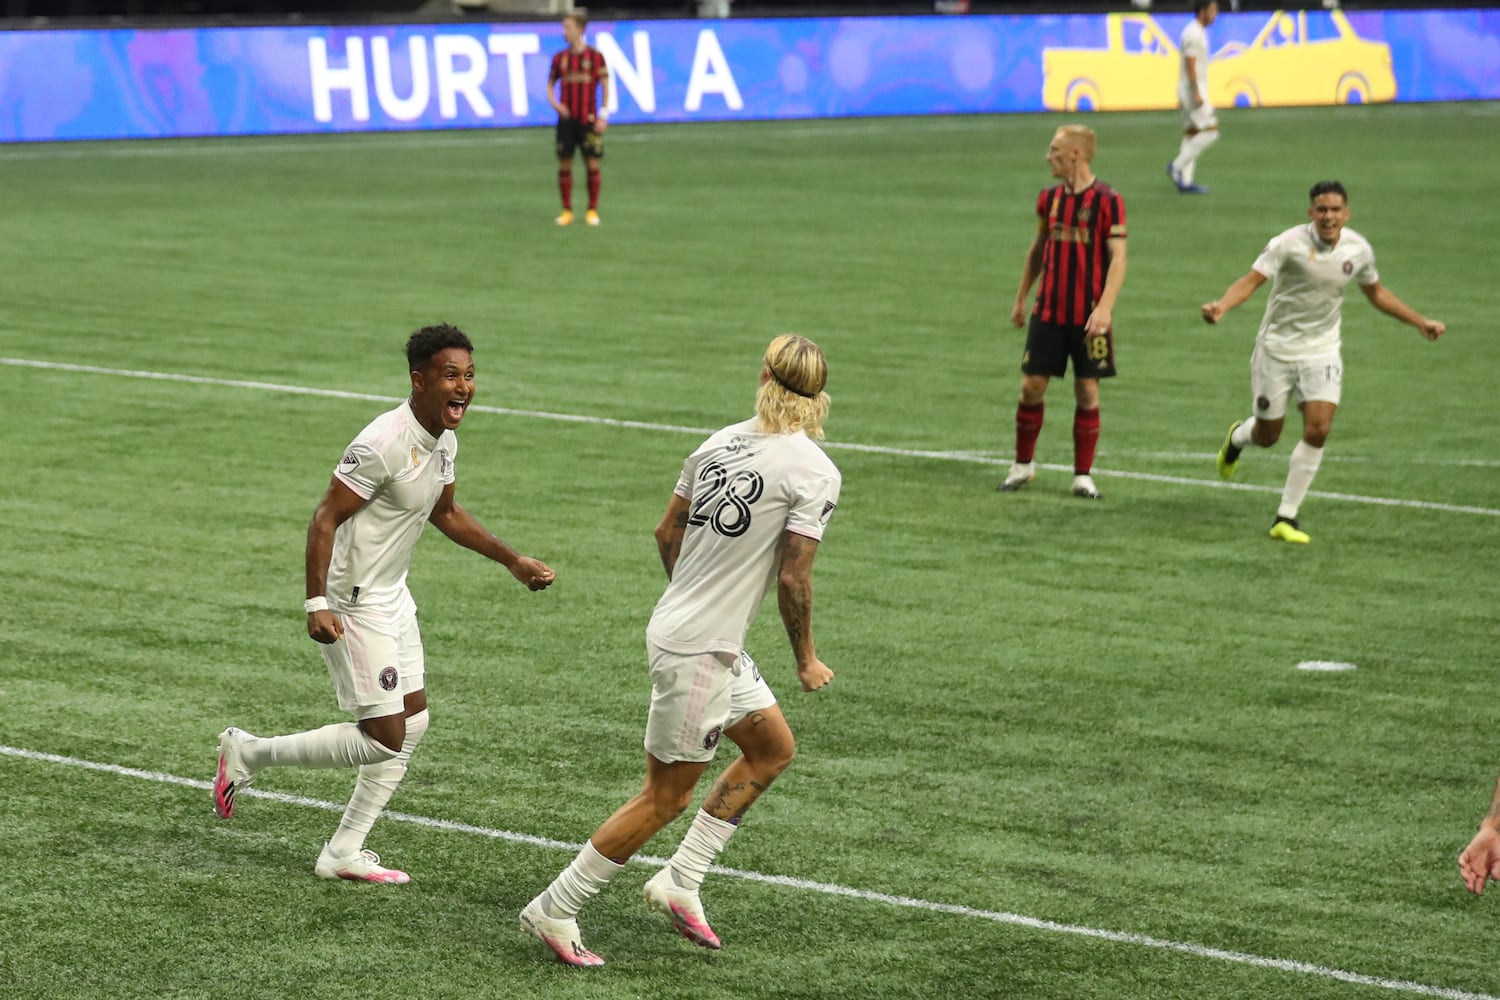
[712, 739]
[1262, 403]
[388, 679]
[1348, 267]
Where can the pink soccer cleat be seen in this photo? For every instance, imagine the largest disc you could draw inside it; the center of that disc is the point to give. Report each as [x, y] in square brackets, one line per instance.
[232, 774]
[561, 936]
[361, 867]
[683, 906]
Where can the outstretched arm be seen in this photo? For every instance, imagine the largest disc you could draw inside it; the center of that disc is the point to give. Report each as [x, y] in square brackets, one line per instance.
[1385, 300]
[1236, 294]
[461, 526]
[794, 594]
[1480, 861]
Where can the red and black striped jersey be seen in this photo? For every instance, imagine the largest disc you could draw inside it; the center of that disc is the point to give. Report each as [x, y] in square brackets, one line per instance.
[580, 73]
[1075, 261]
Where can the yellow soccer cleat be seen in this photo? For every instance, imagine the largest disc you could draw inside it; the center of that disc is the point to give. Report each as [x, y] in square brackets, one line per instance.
[591, 217]
[566, 219]
[1285, 529]
[1229, 456]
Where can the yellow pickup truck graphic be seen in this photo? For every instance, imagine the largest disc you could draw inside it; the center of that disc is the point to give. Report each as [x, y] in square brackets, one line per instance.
[1283, 65]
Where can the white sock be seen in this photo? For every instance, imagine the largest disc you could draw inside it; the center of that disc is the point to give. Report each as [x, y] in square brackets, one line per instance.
[1194, 147]
[373, 790]
[1299, 477]
[1244, 434]
[580, 882]
[342, 744]
[1184, 155]
[705, 839]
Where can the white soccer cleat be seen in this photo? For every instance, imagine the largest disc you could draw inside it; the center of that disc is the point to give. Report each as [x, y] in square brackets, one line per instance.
[560, 935]
[1083, 486]
[1019, 475]
[362, 867]
[232, 774]
[683, 907]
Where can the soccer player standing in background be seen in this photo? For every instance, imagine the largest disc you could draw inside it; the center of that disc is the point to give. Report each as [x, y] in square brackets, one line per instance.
[395, 476]
[1079, 253]
[748, 510]
[1200, 127]
[579, 69]
[1297, 348]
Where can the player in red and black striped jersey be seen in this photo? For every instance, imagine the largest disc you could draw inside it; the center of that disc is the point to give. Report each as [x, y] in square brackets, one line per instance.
[1079, 254]
[573, 91]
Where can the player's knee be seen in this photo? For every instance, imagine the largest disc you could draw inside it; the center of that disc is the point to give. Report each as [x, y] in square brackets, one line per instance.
[667, 804]
[778, 758]
[1316, 436]
[386, 734]
[1264, 435]
[416, 725]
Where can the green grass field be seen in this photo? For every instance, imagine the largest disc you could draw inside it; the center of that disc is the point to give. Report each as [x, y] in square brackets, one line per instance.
[1068, 753]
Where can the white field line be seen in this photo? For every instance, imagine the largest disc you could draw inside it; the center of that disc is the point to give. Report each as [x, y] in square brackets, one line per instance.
[805, 885]
[949, 456]
[314, 143]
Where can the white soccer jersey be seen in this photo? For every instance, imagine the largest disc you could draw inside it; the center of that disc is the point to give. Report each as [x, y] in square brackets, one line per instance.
[745, 490]
[1194, 43]
[400, 470]
[1308, 277]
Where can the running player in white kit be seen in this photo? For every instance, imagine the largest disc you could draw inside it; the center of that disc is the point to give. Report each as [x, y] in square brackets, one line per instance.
[395, 476]
[748, 511]
[1297, 350]
[1200, 125]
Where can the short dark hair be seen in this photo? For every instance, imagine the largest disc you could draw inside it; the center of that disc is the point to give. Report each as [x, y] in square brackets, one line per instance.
[1327, 187]
[423, 345]
[1199, 6]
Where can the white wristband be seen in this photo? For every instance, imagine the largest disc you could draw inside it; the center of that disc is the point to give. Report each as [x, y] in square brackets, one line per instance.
[315, 604]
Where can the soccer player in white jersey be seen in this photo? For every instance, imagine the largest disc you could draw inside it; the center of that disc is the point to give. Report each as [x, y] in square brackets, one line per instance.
[748, 511]
[397, 475]
[1200, 126]
[1297, 350]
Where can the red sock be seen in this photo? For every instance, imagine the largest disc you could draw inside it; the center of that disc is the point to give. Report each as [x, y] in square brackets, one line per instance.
[1085, 439]
[593, 190]
[565, 186]
[1028, 426]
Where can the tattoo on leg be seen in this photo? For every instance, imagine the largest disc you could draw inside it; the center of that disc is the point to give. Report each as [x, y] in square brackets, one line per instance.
[733, 800]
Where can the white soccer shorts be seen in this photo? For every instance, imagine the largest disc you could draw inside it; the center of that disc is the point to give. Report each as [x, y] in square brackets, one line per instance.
[695, 698]
[377, 663]
[1198, 119]
[1273, 382]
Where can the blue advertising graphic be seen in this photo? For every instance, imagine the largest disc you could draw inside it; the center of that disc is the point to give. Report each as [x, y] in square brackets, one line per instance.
[252, 81]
